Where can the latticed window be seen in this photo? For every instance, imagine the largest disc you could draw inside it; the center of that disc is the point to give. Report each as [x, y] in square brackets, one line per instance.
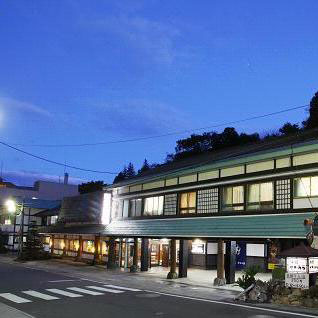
[135, 207]
[283, 195]
[187, 202]
[170, 204]
[208, 201]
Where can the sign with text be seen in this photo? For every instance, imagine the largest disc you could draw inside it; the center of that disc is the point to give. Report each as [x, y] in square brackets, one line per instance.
[313, 265]
[296, 280]
[296, 265]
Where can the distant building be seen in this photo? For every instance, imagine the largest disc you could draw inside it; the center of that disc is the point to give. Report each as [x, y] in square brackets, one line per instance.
[44, 195]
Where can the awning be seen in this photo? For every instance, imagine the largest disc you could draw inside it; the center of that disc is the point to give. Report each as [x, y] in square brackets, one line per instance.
[288, 225]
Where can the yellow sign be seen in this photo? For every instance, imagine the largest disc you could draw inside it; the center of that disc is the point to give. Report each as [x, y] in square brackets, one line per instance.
[271, 266]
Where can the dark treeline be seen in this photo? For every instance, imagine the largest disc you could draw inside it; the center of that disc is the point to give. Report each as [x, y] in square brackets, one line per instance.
[211, 141]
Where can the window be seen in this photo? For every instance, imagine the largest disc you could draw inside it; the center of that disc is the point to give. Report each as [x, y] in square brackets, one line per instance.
[117, 209]
[208, 201]
[233, 198]
[54, 219]
[88, 246]
[73, 245]
[187, 202]
[306, 187]
[260, 196]
[153, 206]
[135, 207]
[126, 209]
[170, 204]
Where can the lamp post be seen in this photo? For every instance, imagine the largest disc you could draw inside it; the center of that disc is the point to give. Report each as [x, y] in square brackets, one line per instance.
[17, 209]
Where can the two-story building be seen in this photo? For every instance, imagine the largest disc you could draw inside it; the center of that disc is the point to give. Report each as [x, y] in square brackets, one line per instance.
[222, 209]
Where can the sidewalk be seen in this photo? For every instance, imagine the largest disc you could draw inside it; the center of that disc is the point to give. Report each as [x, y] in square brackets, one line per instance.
[9, 312]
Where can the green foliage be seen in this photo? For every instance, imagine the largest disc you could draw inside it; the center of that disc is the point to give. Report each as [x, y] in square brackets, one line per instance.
[91, 186]
[312, 292]
[127, 173]
[3, 249]
[278, 273]
[248, 277]
[33, 247]
[312, 121]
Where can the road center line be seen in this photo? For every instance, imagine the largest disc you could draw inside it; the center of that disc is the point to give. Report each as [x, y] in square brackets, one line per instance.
[235, 305]
[63, 280]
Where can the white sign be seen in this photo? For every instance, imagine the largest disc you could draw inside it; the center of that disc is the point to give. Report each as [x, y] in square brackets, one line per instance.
[296, 265]
[296, 280]
[313, 264]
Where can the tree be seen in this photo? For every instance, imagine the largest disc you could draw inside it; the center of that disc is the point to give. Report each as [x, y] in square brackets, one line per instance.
[33, 248]
[91, 186]
[130, 171]
[145, 167]
[210, 141]
[289, 129]
[312, 121]
[127, 173]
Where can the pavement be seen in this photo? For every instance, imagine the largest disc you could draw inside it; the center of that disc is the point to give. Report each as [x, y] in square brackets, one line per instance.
[60, 289]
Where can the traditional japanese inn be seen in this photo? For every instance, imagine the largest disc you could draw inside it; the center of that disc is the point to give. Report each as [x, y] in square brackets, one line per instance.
[221, 210]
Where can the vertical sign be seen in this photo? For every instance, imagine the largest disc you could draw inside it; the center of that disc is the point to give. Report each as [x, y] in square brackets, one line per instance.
[240, 255]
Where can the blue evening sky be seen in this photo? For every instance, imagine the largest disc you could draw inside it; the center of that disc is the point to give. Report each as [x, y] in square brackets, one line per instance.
[75, 71]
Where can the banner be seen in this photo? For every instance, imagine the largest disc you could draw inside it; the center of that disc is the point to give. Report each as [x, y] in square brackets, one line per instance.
[240, 255]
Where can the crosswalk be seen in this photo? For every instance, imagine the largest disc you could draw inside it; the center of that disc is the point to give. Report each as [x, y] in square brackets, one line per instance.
[28, 296]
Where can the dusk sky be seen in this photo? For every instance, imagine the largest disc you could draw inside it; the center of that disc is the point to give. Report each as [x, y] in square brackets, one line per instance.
[75, 72]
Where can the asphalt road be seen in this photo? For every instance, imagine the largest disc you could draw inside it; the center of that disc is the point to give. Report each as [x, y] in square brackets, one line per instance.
[43, 294]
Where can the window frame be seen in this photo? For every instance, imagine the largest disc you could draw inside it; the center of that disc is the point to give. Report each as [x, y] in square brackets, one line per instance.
[310, 190]
[188, 208]
[261, 204]
[231, 207]
[133, 204]
[157, 211]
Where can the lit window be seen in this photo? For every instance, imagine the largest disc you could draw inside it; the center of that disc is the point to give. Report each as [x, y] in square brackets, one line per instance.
[135, 207]
[88, 246]
[260, 196]
[153, 206]
[7, 221]
[187, 202]
[73, 245]
[306, 187]
[233, 198]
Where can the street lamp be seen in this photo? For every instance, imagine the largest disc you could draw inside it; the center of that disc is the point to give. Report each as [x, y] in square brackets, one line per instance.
[17, 209]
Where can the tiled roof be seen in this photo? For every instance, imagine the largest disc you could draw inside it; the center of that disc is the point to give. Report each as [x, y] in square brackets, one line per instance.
[239, 227]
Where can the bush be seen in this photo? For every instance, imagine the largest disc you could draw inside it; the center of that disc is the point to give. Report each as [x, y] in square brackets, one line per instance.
[312, 292]
[248, 277]
[278, 273]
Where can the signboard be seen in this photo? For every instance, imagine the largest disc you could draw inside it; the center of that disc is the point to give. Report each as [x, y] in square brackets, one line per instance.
[240, 255]
[313, 265]
[296, 280]
[198, 247]
[296, 265]
[272, 266]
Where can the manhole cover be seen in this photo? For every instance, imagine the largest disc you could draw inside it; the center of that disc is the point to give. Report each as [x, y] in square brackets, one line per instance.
[148, 295]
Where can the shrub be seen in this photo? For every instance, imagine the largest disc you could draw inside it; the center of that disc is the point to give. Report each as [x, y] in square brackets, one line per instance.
[278, 273]
[248, 277]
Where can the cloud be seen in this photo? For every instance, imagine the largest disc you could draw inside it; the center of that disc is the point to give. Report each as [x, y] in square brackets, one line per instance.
[135, 118]
[27, 178]
[157, 40]
[13, 104]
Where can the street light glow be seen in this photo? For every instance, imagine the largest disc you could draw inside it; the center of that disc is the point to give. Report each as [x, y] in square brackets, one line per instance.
[11, 206]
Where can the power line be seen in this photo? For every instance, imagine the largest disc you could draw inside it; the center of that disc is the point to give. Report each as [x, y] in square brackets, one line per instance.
[162, 135]
[54, 162]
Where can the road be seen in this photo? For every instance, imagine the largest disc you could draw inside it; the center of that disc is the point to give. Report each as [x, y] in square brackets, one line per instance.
[44, 294]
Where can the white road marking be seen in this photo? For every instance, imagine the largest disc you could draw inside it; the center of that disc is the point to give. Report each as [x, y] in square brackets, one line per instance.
[62, 280]
[39, 295]
[123, 288]
[63, 292]
[85, 291]
[107, 290]
[14, 298]
[235, 305]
